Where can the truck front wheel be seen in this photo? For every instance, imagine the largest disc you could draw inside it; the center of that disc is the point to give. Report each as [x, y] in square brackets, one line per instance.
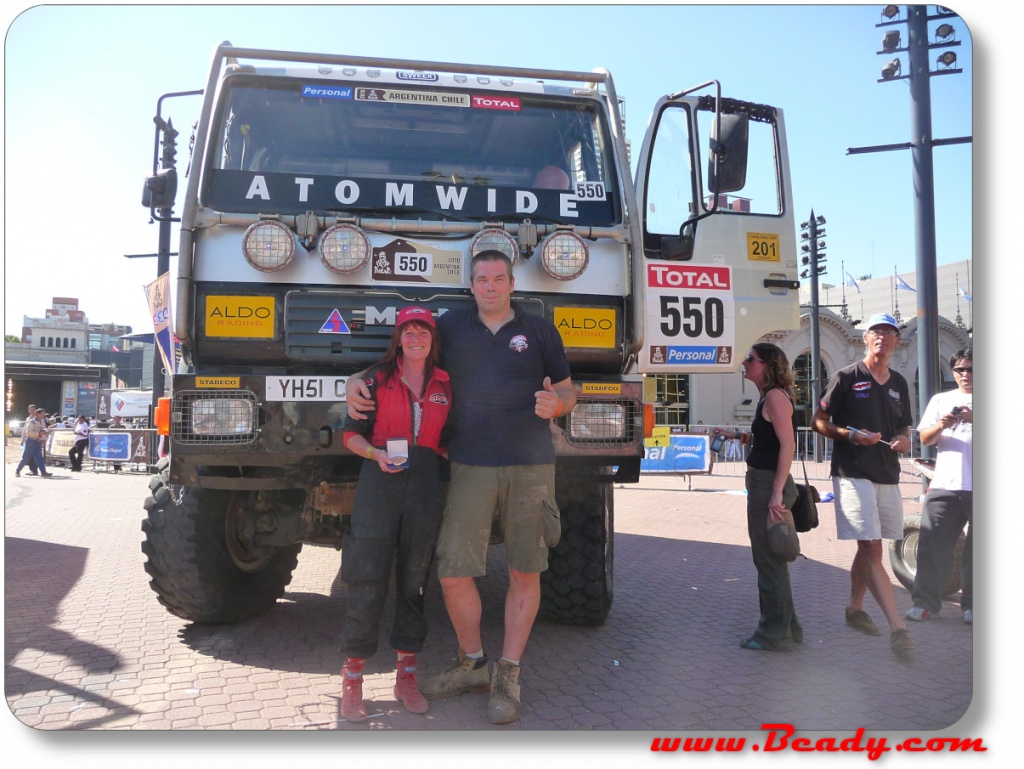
[576, 589]
[903, 556]
[194, 570]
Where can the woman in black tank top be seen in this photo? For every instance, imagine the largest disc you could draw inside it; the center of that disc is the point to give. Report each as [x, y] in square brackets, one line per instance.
[771, 492]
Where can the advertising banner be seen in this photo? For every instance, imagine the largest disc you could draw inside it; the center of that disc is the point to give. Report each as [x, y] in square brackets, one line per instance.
[682, 454]
[158, 293]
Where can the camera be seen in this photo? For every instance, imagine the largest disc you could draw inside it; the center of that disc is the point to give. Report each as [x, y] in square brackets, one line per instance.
[955, 411]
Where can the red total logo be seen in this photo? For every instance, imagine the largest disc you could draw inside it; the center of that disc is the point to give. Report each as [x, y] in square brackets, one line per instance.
[678, 276]
[496, 102]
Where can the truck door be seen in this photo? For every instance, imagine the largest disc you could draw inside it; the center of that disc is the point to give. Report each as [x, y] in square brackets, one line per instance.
[718, 267]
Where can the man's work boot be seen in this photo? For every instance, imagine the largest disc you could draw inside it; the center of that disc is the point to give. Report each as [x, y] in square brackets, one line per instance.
[352, 707]
[504, 705]
[465, 675]
[406, 688]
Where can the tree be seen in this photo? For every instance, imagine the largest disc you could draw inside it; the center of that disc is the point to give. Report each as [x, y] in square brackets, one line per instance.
[12, 338]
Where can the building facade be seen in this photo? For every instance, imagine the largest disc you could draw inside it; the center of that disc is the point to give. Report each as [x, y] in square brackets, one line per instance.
[63, 362]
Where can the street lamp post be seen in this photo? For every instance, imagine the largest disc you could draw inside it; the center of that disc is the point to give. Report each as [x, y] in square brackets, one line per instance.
[814, 258]
[919, 73]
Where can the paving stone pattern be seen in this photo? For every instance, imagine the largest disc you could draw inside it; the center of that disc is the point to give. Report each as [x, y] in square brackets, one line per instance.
[88, 646]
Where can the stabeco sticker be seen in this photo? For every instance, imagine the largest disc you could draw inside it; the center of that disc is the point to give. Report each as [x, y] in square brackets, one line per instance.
[518, 343]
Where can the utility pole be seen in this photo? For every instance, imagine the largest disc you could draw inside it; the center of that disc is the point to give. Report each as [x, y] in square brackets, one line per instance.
[813, 233]
[919, 74]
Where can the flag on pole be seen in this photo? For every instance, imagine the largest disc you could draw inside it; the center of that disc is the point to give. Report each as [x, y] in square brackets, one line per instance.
[159, 295]
[900, 283]
[963, 293]
[851, 282]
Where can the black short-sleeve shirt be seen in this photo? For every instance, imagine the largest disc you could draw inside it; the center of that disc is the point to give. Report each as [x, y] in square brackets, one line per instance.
[494, 379]
[854, 399]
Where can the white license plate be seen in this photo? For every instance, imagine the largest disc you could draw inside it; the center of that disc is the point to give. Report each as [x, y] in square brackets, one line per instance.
[305, 388]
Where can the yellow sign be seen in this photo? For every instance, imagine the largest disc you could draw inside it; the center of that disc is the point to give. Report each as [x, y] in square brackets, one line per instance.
[601, 388]
[240, 317]
[586, 326]
[218, 382]
[763, 247]
[660, 436]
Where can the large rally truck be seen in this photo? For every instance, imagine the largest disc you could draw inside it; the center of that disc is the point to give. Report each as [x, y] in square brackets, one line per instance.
[326, 192]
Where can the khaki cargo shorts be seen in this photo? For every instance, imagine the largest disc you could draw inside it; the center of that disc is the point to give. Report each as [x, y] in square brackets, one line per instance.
[520, 498]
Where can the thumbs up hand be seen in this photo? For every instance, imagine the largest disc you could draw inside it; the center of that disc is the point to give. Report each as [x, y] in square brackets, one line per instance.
[549, 405]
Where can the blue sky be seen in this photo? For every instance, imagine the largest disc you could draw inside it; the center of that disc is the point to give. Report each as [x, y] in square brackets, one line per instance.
[79, 136]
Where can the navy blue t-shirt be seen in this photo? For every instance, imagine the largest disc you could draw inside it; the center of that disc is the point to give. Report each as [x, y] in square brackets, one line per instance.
[494, 378]
[853, 398]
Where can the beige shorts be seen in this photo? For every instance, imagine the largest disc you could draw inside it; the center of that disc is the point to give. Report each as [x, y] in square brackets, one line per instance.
[866, 510]
[519, 498]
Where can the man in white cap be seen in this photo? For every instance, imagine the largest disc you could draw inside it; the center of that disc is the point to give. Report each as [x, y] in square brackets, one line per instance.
[866, 412]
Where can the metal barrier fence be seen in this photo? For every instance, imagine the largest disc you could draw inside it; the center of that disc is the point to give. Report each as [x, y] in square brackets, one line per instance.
[132, 449]
[732, 459]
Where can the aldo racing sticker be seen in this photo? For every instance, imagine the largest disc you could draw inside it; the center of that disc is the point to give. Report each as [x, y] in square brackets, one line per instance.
[240, 317]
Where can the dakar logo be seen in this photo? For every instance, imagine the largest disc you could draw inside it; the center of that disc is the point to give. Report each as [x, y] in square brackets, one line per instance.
[518, 343]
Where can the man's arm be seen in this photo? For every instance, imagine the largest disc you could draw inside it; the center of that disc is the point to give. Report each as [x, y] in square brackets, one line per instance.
[357, 396]
[822, 424]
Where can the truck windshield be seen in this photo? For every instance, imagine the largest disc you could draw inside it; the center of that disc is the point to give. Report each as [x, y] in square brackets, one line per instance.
[291, 146]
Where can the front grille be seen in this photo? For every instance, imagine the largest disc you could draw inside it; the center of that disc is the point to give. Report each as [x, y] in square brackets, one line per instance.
[588, 429]
[239, 406]
[325, 325]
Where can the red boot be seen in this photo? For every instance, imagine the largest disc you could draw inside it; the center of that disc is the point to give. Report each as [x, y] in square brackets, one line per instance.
[406, 688]
[352, 707]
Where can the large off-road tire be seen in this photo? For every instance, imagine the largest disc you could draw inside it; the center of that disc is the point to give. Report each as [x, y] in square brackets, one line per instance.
[903, 556]
[191, 569]
[576, 589]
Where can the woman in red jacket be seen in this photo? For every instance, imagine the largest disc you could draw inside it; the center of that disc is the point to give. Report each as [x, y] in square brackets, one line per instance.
[397, 508]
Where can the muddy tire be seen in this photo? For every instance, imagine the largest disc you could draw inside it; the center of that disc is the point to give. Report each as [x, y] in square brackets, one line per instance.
[576, 589]
[191, 569]
[903, 556]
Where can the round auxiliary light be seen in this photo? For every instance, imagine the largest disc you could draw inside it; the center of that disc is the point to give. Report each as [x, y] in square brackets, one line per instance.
[493, 239]
[344, 248]
[565, 256]
[268, 246]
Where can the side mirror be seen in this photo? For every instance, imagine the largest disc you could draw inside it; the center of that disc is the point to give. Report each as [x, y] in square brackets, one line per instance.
[729, 145]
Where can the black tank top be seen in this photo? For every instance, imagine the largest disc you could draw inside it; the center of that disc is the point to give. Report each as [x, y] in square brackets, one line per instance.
[764, 450]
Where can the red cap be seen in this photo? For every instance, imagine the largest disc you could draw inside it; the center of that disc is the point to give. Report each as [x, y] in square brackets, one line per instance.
[421, 314]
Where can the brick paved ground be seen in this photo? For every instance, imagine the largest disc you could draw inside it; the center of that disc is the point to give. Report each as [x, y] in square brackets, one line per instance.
[88, 647]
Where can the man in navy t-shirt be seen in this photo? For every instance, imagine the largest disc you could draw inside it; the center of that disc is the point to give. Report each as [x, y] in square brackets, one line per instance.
[509, 377]
[866, 412]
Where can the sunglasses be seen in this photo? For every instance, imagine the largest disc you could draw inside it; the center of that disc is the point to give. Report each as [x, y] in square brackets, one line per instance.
[884, 331]
[964, 370]
[751, 358]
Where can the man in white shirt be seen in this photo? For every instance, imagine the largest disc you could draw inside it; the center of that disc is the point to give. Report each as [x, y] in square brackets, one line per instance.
[947, 423]
[77, 452]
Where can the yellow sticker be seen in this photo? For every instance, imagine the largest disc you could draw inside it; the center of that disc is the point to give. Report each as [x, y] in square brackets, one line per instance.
[601, 388]
[763, 247]
[660, 436]
[586, 326]
[218, 382]
[240, 316]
